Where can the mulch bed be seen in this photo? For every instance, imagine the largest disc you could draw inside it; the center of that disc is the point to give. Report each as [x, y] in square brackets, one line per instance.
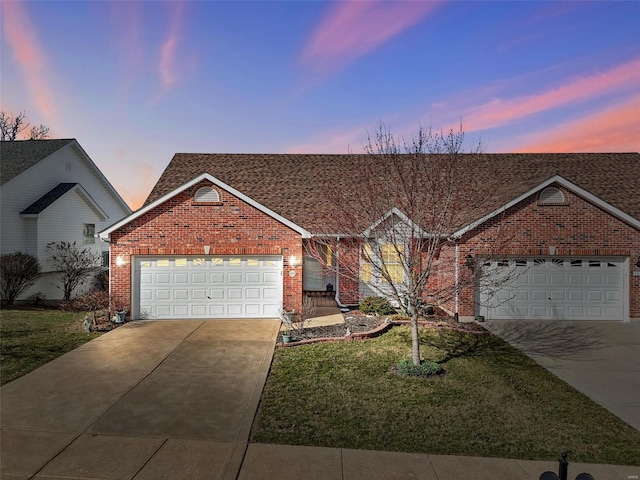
[358, 322]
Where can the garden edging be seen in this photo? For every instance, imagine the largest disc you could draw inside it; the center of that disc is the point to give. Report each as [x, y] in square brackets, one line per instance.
[379, 330]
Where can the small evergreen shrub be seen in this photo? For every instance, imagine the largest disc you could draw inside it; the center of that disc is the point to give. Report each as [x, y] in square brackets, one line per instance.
[376, 305]
[425, 369]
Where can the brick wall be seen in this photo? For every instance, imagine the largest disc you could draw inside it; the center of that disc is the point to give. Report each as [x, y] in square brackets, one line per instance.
[180, 226]
[575, 228]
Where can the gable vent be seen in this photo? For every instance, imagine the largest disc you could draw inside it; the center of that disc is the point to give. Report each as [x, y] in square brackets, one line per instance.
[551, 195]
[207, 195]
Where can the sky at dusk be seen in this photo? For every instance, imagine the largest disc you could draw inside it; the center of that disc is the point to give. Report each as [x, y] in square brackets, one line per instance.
[135, 82]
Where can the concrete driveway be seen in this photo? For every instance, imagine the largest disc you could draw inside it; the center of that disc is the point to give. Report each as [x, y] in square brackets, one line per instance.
[149, 400]
[600, 359]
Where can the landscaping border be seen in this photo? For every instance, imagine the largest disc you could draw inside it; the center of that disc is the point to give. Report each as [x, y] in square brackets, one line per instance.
[379, 330]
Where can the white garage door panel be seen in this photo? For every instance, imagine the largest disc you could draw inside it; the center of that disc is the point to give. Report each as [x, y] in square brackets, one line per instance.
[208, 287]
[554, 288]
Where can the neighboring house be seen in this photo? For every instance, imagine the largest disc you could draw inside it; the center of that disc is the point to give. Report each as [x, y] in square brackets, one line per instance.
[223, 236]
[51, 191]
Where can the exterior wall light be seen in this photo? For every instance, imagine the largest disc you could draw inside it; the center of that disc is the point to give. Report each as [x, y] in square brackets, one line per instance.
[638, 263]
[294, 261]
[120, 262]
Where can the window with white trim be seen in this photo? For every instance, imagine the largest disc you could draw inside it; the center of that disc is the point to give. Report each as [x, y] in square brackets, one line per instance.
[390, 263]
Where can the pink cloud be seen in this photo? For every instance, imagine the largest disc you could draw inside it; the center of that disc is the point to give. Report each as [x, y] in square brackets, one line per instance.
[499, 112]
[615, 129]
[354, 28]
[20, 34]
[167, 67]
[335, 141]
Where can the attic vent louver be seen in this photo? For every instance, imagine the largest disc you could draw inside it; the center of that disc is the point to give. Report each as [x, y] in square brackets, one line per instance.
[551, 195]
[206, 195]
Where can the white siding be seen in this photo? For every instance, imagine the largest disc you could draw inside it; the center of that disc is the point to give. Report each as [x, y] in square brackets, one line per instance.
[31, 232]
[63, 166]
[76, 211]
[64, 219]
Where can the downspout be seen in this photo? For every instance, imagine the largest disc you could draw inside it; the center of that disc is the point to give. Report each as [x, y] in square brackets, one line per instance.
[457, 276]
[337, 270]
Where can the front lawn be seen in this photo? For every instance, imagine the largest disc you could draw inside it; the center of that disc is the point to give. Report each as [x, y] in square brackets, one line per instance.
[31, 337]
[493, 401]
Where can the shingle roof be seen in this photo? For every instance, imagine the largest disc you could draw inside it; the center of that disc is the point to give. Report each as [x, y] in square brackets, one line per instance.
[48, 199]
[295, 185]
[19, 155]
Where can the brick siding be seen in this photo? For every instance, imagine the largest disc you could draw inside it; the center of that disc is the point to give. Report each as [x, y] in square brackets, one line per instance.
[576, 228]
[232, 227]
[181, 226]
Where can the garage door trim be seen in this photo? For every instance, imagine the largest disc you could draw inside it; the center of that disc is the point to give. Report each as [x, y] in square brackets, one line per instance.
[207, 286]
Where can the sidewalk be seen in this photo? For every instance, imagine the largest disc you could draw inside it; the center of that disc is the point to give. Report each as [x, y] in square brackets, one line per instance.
[286, 462]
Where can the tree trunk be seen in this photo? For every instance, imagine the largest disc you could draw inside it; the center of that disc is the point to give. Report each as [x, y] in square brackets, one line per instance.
[415, 339]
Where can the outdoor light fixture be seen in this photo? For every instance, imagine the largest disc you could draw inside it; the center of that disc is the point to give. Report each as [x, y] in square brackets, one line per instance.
[469, 261]
[293, 261]
[120, 261]
[638, 263]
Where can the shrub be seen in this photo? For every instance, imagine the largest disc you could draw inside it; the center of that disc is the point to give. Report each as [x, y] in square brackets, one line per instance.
[425, 369]
[95, 302]
[399, 317]
[17, 273]
[377, 305]
[73, 263]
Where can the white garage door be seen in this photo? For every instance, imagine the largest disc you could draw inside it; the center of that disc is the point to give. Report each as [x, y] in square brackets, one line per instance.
[208, 287]
[554, 288]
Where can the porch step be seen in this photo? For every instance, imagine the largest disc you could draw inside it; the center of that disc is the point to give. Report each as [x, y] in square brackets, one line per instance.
[322, 299]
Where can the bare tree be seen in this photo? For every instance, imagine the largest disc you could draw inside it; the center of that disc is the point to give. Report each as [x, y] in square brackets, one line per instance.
[410, 198]
[17, 273]
[13, 125]
[73, 263]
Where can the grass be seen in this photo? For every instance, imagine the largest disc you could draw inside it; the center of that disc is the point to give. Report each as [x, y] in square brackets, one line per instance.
[31, 337]
[492, 401]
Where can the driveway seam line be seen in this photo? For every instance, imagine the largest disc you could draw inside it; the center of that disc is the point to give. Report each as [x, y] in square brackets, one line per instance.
[150, 458]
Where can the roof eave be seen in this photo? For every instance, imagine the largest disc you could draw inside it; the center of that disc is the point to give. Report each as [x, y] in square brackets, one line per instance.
[616, 212]
[105, 235]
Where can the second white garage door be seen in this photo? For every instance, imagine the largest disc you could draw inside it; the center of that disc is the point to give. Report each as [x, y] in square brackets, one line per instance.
[208, 287]
[554, 288]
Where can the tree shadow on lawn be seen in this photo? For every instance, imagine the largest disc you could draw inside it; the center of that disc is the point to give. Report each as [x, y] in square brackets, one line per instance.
[453, 344]
[552, 340]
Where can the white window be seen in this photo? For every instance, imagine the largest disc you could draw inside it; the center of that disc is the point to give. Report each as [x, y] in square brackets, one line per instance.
[207, 195]
[390, 263]
[89, 232]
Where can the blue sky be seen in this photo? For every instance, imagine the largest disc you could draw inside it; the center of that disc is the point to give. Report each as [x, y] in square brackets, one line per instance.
[136, 82]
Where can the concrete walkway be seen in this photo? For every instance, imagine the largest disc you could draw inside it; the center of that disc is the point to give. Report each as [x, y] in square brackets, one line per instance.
[286, 462]
[175, 400]
[600, 359]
